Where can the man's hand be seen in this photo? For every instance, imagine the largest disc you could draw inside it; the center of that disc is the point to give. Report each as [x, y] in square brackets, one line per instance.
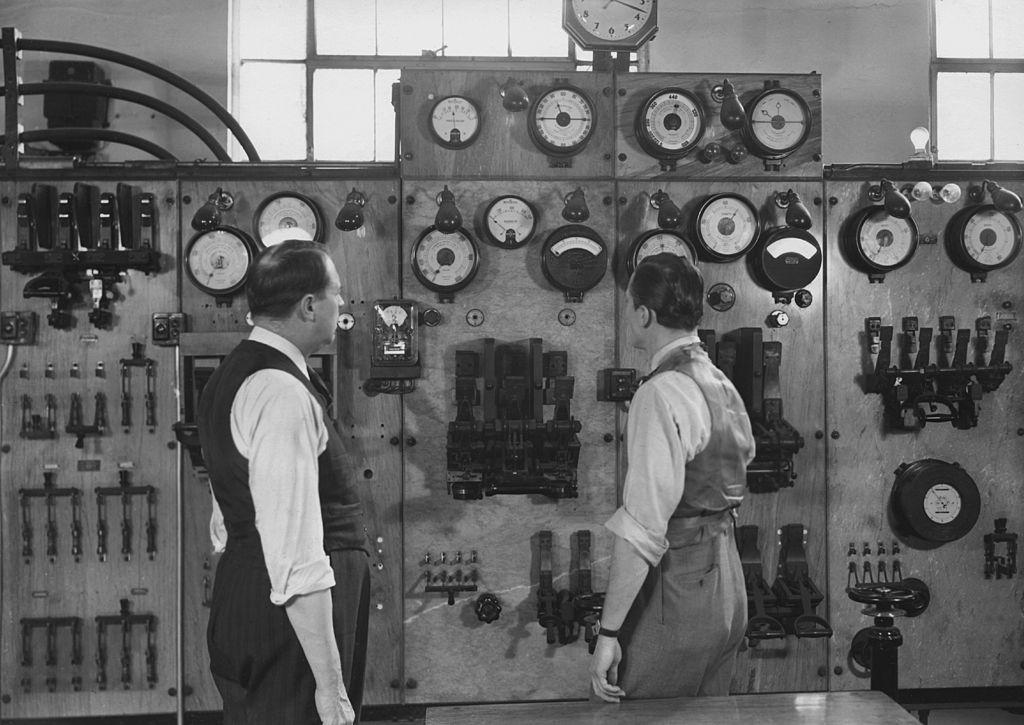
[604, 669]
[334, 707]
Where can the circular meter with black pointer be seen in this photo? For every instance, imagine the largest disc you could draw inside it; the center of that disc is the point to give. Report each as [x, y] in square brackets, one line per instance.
[877, 243]
[454, 122]
[778, 123]
[217, 260]
[445, 262]
[562, 121]
[980, 239]
[574, 259]
[725, 227]
[510, 221]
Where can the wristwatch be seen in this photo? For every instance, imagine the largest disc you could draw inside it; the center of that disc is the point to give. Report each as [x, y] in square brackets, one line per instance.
[612, 633]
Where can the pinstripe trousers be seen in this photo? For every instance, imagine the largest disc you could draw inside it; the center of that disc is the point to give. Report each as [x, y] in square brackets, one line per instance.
[257, 662]
[682, 633]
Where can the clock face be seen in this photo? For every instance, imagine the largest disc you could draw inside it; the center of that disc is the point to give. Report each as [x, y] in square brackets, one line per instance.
[611, 20]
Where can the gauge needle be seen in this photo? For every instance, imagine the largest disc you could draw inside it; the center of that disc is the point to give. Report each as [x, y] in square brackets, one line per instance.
[503, 227]
[555, 118]
[633, 7]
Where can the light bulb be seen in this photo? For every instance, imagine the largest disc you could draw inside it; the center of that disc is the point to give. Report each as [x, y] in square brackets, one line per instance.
[949, 193]
[921, 191]
[919, 137]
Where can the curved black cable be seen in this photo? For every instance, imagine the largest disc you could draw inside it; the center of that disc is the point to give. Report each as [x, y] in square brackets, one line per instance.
[75, 88]
[90, 51]
[99, 134]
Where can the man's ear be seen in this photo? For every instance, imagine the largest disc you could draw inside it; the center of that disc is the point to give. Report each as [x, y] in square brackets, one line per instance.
[307, 305]
[645, 315]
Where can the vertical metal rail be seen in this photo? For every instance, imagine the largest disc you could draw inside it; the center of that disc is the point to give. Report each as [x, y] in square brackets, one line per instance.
[9, 38]
[179, 557]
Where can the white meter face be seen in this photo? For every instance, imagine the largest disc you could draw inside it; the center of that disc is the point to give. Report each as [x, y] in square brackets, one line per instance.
[885, 240]
[779, 121]
[942, 503]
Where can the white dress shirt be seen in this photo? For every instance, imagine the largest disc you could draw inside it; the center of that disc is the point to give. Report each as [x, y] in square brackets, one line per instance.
[669, 423]
[278, 426]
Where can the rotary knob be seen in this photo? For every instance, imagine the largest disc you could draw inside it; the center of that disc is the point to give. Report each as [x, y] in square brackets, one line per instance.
[487, 608]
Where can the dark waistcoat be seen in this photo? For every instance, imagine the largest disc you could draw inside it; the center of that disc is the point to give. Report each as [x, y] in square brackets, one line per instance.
[229, 470]
[716, 478]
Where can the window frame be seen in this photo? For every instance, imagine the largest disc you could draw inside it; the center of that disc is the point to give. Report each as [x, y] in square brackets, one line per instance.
[989, 66]
[574, 60]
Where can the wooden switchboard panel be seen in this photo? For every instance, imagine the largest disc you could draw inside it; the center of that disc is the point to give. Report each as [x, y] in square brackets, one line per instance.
[504, 148]
[450, 655]
[635, 90]
[368, 266]
[970, 634]
[126, 563]
[788, 664]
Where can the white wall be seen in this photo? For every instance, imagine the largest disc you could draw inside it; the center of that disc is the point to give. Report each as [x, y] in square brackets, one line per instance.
[873, 58]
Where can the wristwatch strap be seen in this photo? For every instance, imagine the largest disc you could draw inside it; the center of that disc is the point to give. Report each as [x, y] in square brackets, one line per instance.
[613, 633]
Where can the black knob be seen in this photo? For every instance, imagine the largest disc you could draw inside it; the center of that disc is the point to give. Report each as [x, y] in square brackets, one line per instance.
[488, 607]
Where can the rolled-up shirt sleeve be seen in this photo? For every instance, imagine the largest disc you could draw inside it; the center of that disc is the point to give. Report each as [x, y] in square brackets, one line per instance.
[277, 426]
[659, 443]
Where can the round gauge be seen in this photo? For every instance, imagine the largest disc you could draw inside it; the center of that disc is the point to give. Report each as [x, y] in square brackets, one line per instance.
[455, 122]
[670, 123]
[562, 121]
[725, 227]
[217, 261]
[787, 259]
[778, 122]
[934, 500]
[657, 241]
[445, 262]
[982, 238]
[509, 221]
[878, 242]
[574, 259]
[287, 215]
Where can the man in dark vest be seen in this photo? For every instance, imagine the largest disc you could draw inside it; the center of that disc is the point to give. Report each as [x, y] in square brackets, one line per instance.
[288, 617]
[675, 610]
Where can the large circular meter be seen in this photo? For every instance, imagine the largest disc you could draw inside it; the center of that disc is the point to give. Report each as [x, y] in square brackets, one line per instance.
[287, 215]
[670, 123]
[787, 259]
[725, 227]
[934, 501]
[876, 242]
[980, 239]
[778, 123]
[574, 259]
[562, 121]
[445, 262]
[658, 241]
[217, 260]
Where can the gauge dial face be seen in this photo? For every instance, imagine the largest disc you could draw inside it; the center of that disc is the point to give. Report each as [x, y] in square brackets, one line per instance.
[217, 261]
[779, 122]
[942, 503]
[445, 262]
[885, 242]
[986, 238]
[670, 123]
[726, 226]
[562, 121]
[611, 21]
[455, 122]
[510, 221]
[659, 241]
[789, 259]
[392, 315]
[287, 215]
[574, 259]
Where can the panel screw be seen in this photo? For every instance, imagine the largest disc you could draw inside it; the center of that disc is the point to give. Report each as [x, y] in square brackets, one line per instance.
[838, 670]
[622, 157]
[822, 671]
[819, 434]
[835, 435]
[608, 437]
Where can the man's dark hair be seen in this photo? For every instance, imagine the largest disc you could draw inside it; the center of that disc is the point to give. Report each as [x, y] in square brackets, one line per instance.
[283, 274]
[672, 288]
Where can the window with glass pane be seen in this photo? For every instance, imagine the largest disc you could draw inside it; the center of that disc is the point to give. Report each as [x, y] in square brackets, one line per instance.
[359, 48]
[978, 70]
